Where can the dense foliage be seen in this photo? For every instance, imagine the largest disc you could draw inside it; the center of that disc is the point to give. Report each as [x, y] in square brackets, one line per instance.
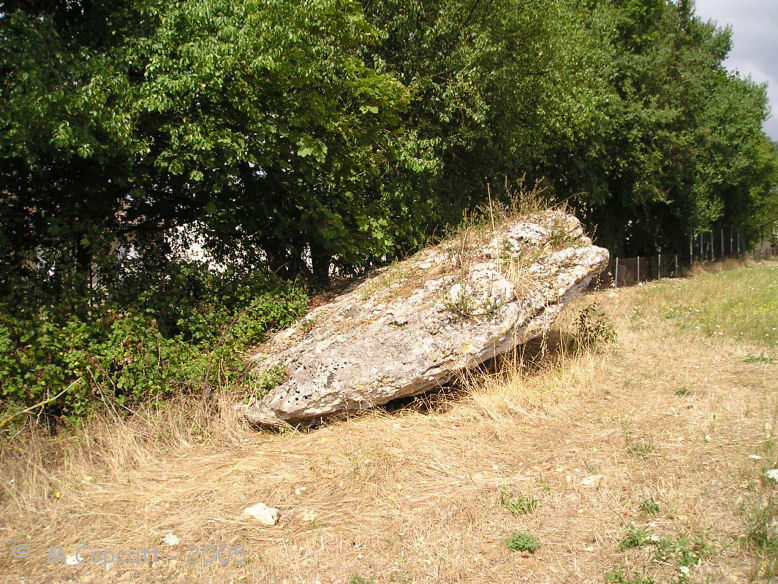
[187, 333]
[290, 137]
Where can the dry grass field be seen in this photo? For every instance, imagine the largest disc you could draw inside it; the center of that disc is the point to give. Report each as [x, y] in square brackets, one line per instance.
[642, 460]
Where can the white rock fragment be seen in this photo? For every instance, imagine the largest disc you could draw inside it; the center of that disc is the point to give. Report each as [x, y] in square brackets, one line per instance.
[309, 515]
[262, 513]
[171, 539]
[72, 560]
[592, 481]
[754, 457]
[772, 474]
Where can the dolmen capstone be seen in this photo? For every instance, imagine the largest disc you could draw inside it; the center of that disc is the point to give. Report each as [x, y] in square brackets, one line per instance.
[420, 323]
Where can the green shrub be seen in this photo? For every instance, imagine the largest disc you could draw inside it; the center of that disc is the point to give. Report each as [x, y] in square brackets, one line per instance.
[522, 542]
[125, 353]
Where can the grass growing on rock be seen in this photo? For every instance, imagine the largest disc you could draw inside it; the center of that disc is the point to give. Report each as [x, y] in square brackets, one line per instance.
[412, 495]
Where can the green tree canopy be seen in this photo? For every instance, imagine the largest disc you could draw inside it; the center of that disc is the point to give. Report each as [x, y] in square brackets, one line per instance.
[295, 135]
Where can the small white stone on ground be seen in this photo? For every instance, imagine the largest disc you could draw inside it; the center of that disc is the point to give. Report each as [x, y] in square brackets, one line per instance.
[592, 481]
[171, 539]
[262, 513]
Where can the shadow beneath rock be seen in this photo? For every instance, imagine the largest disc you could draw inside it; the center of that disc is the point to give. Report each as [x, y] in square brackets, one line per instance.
[527, 359]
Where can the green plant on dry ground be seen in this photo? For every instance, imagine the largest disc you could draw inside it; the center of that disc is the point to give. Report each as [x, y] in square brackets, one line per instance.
[522, 542]
[519, 504]
[682, 552]
[759, 512]
[640, 449]
[650, 506]
[619, 576]
[594, 328]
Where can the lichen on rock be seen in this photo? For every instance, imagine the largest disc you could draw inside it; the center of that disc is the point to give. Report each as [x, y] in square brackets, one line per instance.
[419, 323]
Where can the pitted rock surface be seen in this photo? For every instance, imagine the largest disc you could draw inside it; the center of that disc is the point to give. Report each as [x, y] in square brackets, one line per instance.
[419, 323]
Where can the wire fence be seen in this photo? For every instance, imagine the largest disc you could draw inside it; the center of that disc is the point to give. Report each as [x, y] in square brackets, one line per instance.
[704, 247]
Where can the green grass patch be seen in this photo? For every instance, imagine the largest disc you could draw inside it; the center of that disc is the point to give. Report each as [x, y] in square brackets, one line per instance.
[741, 304]
[517, 505]
[682, 552]
[760, 528]
[640, 450]
[619, 576]
[635, 537]
[650, 506]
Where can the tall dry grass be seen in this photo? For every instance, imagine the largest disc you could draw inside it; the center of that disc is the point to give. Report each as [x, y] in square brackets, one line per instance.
[414, 494]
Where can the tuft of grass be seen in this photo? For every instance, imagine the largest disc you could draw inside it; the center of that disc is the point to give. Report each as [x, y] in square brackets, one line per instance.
[635, 537]
[760, 359]
[518, 505]
[594, 328]
[640, 450]
[682, 391]
[619, 576]
[760, 519]
[685, 553]
[760, 525]
[681, 551]
[359, 580]
[650, 506]
[522, 542]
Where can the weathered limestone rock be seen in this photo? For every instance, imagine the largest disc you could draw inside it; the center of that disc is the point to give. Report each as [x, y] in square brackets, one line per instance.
[265, 515]
[417, 324]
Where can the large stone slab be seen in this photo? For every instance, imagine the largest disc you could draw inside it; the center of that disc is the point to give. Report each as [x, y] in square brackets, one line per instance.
[419, 323]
